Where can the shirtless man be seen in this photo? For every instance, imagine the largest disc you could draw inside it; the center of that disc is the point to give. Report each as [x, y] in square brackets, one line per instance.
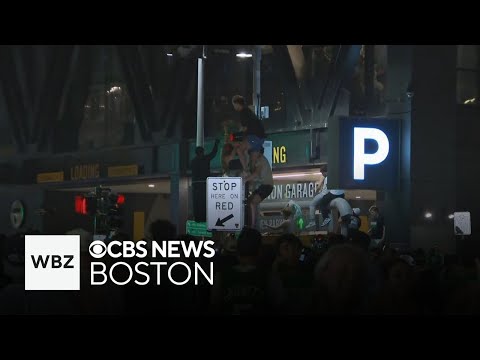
[261, 180]
[252, 128]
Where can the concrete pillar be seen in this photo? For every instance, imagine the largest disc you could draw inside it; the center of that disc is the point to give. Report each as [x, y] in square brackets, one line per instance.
[395, 205]
[433, 150]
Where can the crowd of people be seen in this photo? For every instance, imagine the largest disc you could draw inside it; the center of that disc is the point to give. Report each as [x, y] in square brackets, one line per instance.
[332, 275]
[344, 275]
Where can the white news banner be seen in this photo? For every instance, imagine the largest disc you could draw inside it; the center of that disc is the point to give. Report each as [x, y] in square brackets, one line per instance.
[225, 207]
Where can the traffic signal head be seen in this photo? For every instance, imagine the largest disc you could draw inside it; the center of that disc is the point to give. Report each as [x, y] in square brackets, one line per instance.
[81, 205]
[85, 205]
[118, 199]
[115, 211]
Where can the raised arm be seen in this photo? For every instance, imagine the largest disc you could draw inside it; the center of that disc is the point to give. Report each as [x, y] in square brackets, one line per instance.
[214, 151]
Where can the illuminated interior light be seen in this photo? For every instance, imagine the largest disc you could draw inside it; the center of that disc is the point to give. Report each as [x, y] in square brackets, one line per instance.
[280, 176]
[244, 55]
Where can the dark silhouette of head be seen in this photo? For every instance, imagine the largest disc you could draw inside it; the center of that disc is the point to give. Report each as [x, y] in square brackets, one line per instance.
[359, 238]
[249, 243]
[289, 248]
[162, 230]
[374, 210]
[199, 151]
[238, 102]
[341, 279]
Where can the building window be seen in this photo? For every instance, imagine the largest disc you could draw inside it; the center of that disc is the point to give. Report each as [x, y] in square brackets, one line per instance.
[108, 118]
[468, 74]
[107, 114]
[367, 93]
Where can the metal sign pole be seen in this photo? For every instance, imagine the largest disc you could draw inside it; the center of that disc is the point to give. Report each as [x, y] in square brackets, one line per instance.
[200, 101]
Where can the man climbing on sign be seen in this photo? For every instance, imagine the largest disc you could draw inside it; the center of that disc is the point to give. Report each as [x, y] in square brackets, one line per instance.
[261, 181]
[322, 200]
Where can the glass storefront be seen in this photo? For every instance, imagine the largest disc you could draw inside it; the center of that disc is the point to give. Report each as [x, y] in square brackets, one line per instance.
[468, 74]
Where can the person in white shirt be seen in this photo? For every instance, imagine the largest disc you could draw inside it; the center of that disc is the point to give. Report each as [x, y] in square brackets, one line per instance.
[322, 200]
[297, 214]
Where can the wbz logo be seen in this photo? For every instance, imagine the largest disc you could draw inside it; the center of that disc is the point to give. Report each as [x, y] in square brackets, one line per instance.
[52, 262]
[56, 261]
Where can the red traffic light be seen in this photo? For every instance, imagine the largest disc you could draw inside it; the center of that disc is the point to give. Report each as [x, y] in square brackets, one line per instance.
[120, 199]
[81, 205]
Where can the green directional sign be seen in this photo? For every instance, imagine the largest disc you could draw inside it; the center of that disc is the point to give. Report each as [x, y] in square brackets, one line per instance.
[197, 229]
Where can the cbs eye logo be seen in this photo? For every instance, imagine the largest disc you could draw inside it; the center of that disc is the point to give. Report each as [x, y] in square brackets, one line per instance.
[97, 249]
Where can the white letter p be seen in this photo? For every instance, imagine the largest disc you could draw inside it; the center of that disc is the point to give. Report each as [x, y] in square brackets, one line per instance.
[360, 159]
